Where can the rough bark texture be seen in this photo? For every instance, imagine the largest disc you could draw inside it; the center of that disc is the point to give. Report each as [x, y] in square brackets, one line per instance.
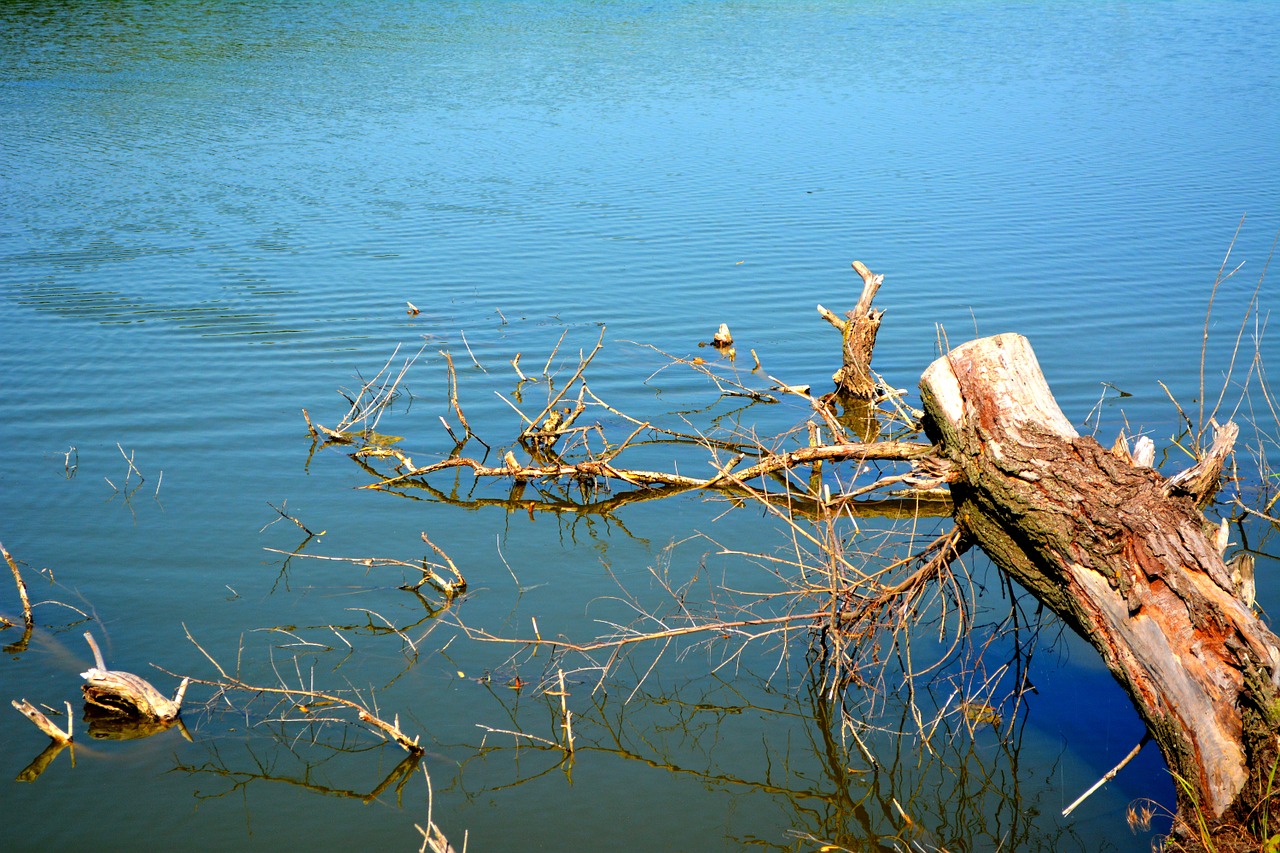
[1130, 567]
[858, 331]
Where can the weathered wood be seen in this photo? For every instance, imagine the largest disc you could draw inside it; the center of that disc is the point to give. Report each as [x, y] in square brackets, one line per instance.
[43, 723]
[1200, 481]
[126, 693]
[22, 587]
[858, 333]
[1130, 566]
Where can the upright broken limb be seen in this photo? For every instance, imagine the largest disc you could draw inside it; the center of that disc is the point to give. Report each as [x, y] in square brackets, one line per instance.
[858, 331]
[43, 723]
[1121, 558]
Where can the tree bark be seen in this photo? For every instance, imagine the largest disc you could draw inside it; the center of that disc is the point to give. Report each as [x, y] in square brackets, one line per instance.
[858, 332]
[1121, 557]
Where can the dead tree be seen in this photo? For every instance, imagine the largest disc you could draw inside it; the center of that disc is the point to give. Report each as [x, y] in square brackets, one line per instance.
[1120, 553]
[1123, 558]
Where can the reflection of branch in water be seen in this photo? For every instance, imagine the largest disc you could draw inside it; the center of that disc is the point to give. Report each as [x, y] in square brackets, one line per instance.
[41, 762]
[282, 577]
[384, 627]
[559, 498]
[311, 757]
[263, 771]
[952, 791]
[22, 643]
[104, 725]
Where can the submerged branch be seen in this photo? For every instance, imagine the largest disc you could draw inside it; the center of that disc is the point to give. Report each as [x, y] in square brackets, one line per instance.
[895, 451]
[376, 724]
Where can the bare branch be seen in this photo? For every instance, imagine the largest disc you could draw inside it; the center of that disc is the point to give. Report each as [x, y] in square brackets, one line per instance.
[22, 586]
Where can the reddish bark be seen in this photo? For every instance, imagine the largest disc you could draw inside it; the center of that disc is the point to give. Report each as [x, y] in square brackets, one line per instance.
[1127, 564]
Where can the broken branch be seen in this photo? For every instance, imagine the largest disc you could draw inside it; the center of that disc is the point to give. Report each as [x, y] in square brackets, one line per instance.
[22, 587]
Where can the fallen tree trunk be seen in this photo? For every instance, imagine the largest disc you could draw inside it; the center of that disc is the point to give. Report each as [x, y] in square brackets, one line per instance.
[1121, 557]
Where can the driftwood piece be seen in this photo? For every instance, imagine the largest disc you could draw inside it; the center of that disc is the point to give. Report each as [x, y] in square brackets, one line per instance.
[1125, 563]
[43, 723]
[22, 587]
[858, 333]
[126, 693]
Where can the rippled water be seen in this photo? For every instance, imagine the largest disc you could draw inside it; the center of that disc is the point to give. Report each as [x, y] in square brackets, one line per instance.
[214, 214]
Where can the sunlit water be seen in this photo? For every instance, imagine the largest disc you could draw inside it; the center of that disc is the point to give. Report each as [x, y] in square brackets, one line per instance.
[215, 213]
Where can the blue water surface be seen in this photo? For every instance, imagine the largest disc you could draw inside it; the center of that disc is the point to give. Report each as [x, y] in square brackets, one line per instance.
[214, 214]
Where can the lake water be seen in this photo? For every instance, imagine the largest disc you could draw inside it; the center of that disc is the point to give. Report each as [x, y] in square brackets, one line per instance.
[214, 214]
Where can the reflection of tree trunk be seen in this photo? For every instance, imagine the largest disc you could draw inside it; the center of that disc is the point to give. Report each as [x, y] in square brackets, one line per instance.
[1129, 567]
[106, 724]
[859, 415]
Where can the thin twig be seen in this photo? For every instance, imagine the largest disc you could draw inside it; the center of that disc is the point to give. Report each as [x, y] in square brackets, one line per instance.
[470, 353]
[286, 515]
[1110, 774]
[1208, 311]
[128, 457]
